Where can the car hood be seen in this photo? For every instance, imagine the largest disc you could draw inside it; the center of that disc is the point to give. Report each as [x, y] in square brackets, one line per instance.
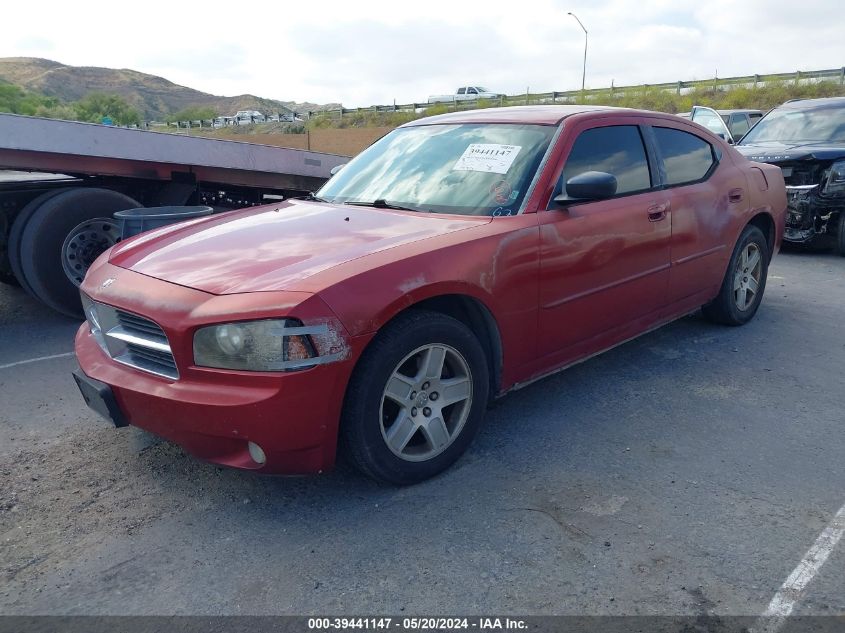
[274, 247]
[783, 152]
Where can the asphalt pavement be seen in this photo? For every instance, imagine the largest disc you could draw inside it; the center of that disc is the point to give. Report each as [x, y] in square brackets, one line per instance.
[686, 472]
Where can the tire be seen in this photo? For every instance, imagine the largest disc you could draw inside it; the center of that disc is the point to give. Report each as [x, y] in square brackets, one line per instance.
[16, 232]
[840, 235]
[744, 282]
[417, 448]
[43, 237]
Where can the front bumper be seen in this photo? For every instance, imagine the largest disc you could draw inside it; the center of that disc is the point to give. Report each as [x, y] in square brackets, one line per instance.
[212, 413]
[809, 216]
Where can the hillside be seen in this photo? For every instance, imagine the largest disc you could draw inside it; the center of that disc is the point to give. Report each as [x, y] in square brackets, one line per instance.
[154, 97]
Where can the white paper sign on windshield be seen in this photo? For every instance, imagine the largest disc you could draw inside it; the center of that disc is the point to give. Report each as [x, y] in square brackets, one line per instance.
[487, 157]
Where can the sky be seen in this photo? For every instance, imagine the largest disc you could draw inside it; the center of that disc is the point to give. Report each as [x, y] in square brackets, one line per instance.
[374, 52]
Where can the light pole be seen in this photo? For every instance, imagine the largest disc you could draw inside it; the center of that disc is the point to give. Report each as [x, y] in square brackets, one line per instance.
[584, 71]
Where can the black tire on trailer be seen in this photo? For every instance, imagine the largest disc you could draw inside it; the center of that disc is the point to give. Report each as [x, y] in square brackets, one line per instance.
[43, 243]
[16, 232]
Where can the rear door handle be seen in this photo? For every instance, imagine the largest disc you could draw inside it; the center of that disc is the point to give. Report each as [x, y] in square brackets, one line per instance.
[657, 212]
[736, 195]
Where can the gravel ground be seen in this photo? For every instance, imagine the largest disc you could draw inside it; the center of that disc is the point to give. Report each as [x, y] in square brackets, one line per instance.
[686, 472]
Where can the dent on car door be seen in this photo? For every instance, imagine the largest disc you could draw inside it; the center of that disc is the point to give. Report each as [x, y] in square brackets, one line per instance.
[705, 199]
[604, 263]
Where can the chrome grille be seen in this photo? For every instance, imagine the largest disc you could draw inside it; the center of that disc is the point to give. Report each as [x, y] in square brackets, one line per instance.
[134, 323]
[131, 339]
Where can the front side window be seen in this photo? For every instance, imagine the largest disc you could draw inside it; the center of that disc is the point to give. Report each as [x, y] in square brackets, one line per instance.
[617, 150]
[712, 121]
[686, 157]
[468, 169]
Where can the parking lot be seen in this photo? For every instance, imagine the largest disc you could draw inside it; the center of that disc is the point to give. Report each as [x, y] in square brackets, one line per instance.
[686, 472]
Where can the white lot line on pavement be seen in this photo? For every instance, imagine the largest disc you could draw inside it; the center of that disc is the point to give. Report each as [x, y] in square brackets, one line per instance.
[35, 360]
[790, 591]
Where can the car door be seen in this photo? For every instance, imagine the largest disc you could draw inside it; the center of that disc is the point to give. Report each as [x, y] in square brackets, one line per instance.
[713, 121]
[604, 265]
[704, 200]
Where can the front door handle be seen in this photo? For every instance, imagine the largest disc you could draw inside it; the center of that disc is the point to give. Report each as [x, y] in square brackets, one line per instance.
[657, 212]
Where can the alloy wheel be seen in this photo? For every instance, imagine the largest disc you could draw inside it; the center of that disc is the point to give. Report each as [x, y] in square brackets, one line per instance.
[426, 402]
[747, 276]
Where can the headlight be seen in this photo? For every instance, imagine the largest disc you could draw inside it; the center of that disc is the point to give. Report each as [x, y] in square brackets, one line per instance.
[835, 183]
[269, 345]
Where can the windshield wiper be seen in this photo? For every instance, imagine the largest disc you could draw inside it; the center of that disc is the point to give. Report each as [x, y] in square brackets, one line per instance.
[381, 203]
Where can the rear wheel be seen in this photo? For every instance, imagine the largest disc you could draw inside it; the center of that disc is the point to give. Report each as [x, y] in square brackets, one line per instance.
[416, 400]
[744, 282]
[62, 237]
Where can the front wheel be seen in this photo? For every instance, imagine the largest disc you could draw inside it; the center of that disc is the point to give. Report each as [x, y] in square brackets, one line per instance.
[416, 399]
[744, 282]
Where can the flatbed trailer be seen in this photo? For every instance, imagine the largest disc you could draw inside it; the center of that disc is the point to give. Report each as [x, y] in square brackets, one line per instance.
[56, 219]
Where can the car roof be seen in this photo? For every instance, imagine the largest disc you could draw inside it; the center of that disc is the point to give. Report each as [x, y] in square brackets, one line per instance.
[740, 111]
[808, 104]
[538, 115]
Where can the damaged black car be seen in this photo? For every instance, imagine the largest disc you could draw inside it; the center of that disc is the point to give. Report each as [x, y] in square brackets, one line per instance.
[806, 139]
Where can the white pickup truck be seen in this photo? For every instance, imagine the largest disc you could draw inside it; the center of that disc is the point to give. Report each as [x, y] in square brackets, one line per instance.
[465, 93]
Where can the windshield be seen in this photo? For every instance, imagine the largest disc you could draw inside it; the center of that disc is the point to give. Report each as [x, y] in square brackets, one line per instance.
[468, 169]
[819, 125]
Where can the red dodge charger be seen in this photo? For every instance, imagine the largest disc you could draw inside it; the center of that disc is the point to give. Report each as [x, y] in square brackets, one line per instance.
[457, 258]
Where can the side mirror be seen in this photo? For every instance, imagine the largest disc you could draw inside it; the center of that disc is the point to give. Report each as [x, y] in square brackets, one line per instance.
[336, 169]
[591, 185]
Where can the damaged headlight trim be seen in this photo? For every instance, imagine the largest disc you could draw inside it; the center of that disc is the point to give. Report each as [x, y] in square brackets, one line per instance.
[835, 183]
[93, 319]
[262, 345]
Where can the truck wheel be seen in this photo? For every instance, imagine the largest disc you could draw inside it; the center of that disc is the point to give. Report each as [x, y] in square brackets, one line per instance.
[840, 235]
[744, 283]
[16, 232]
[416, 399]
[68, 230]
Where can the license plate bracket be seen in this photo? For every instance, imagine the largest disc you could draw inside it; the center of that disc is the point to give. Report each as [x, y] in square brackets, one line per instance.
[100, 398]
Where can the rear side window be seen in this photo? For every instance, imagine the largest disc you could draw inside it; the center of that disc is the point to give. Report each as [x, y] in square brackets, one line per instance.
[615, 149]
[686, 157]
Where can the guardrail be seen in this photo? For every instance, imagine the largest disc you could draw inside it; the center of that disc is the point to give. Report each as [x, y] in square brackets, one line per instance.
[835, 74]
